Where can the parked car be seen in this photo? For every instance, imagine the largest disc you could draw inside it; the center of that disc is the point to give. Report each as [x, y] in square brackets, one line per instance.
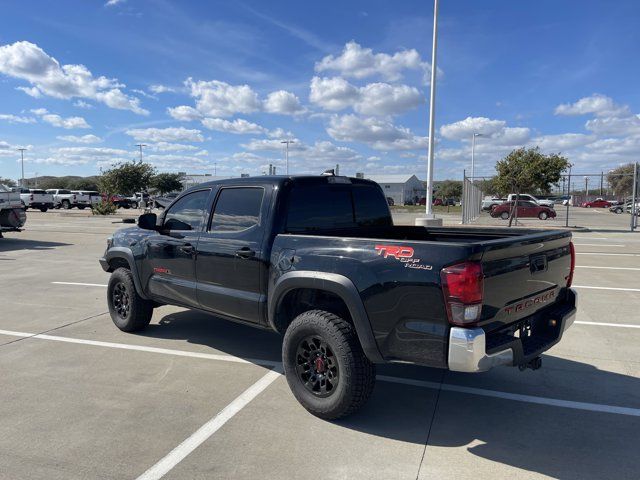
[119, 201]
[319, 260]
[530, 198]
[597, 203]
[34, 198]
[488, 203]
[625, 207]
[62, 198]
[12, 214]
[436, 201]
[525, 210]
[139, 200]
[86, 198]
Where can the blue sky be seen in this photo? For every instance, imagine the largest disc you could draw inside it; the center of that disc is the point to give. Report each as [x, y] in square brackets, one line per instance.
[218, 85]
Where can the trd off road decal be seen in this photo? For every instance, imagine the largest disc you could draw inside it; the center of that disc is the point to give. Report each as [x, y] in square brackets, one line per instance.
[161, 270]
[402, 254]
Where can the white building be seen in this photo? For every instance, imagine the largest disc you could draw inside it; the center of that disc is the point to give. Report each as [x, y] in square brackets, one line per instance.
[402, 188]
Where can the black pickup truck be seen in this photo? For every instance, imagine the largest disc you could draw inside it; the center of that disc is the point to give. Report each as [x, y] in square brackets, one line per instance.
[318, 259]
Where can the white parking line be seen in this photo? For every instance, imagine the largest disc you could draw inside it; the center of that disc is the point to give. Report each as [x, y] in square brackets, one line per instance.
[592, 407]
[140, 348]
[212, 426]
[607, 268]
[616, 245]
[81, 284]
[607, 288]
[603, 324]
[590, 238]
[596, 407]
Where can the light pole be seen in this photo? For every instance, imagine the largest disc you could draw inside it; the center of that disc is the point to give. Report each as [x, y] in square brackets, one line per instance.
[140, 145]
[586, 188]
[430, 217]
[286, 154]
[22, 150]
[473, 153]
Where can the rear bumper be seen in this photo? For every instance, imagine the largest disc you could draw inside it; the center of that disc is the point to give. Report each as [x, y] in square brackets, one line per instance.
[473, 350]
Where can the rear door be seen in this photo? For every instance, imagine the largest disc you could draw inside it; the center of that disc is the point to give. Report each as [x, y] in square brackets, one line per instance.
[169, 270]
[231, 264]
[523, 275]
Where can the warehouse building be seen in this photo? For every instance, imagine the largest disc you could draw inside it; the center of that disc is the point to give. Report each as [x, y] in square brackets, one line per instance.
[402, 188]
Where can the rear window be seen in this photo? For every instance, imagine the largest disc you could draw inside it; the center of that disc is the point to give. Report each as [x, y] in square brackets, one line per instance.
[39, 192]
[326, 206]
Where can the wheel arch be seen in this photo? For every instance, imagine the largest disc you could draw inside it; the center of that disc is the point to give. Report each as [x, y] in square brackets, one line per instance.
[118, 257]
[330, 286]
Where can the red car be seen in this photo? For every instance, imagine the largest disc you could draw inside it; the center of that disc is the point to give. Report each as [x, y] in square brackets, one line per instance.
[525, 210]
[598, 203]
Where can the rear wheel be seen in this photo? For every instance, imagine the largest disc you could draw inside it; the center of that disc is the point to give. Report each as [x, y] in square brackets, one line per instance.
[66, 204]
[129, 311]
[543, 215]
[325, 366]
[81, 207]
[504, 215]
[134, 205]
[44, 209]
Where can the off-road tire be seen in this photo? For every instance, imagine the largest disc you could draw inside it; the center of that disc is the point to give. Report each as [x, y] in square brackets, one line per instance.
[356, 375]
[139, 311]
[543, 215]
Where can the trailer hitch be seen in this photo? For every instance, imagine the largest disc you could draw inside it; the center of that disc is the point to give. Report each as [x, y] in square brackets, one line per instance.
[533, 364]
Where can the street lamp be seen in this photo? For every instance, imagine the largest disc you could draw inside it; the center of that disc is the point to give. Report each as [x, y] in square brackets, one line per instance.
[473, 151]
[140, 145]
[430, 217]
[586, 188]
[286, 154]
[22, 150]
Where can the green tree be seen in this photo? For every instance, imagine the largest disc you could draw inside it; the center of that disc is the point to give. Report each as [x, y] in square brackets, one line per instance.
[167, 182]
[621, 179]
[126, 178]
[7, 182]
[86, 183]
[528, 170]
[450, 189]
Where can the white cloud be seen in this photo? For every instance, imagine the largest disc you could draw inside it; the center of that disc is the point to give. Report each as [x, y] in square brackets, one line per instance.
[83, 104]
[91, 151]
[373, 99]
[562, 142]
[8, 117]
[377, 133]
[333, 93]
[171, 147]
[464, 129]
[27, 61]
[274, 145]
[282, 102]
[184, 113]
[237, 126]
[113, 3]
[171, 134]
[280, 134]
[358, 62]
[326, 151]
[617, 126]
[161, 89]
[219, 99]
[80, 139]
[58, 121]
[62, 161]
[599, 105]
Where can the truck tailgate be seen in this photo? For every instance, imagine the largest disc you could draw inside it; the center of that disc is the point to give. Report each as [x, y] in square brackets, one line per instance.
[523, 276]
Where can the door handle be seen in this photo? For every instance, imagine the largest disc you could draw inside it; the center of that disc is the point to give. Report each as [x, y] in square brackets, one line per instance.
[245, 252]
[186, 248]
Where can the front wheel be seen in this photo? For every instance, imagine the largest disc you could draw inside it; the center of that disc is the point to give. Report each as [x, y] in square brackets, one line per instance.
[129, 311]
[543, 215]
[66, 205]
[81, 207]
[504, 215]
[325, 366]
[44, 209]
[134, 205]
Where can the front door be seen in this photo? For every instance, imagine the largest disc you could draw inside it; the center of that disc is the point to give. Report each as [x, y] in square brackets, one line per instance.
[231, 263]
[170, 266]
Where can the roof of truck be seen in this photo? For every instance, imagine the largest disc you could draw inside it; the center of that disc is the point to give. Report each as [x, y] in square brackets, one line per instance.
[275, 180]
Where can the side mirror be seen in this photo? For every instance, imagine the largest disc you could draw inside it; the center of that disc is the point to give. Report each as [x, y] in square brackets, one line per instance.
[147, 221]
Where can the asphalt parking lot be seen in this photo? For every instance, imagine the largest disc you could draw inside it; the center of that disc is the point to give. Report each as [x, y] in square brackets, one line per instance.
[197, 397]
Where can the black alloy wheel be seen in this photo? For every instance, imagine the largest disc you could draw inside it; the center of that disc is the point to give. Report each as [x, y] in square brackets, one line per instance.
[317, 366]
[121, 300]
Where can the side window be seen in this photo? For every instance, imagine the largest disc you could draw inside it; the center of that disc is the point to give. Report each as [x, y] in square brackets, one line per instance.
[237, 209]
[188, 212]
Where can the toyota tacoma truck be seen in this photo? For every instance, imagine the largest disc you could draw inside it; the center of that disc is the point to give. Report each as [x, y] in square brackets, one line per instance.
[318, 260]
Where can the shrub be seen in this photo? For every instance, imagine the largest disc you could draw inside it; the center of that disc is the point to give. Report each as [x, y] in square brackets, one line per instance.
[103, 208]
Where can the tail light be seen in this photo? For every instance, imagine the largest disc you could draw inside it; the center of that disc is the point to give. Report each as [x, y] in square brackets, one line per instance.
[462, 286]
[572, 250]
[31, 197]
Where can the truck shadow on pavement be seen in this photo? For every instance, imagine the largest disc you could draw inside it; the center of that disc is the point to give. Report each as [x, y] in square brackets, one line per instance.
[554, 441]
[8, 244]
